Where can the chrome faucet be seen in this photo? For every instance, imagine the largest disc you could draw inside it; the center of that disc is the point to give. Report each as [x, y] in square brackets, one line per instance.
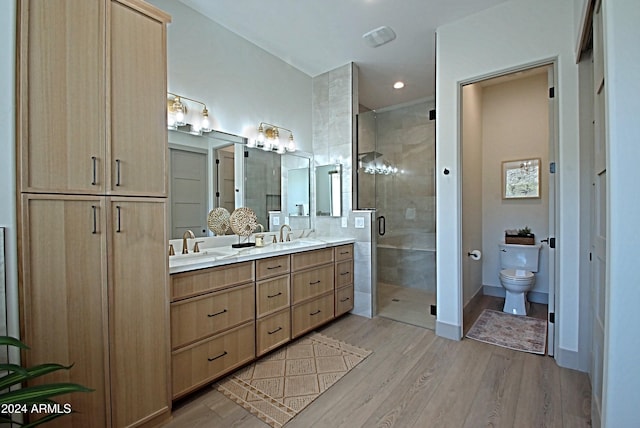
[282, 227]
[187, 234]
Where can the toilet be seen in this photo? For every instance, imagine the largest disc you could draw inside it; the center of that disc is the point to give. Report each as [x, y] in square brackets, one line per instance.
[518, 264]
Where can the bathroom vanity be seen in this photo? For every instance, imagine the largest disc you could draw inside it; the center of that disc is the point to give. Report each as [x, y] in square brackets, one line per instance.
[229, 306]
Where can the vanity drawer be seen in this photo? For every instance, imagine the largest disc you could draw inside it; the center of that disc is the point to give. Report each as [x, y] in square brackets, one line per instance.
[199, 317]
[344, 299]
[272, 266]
[344, 273]
[344, 252]
[312, 258]
[189, 284]
[307, 316]
[310, 283]
[273, 331]
[205, 361]
[272, 295]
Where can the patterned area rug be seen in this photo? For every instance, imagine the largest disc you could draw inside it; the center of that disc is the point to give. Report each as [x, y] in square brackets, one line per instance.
[516, 332]
[278, 386]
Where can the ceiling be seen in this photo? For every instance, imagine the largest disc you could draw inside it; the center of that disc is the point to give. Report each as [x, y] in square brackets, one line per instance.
[316, 36]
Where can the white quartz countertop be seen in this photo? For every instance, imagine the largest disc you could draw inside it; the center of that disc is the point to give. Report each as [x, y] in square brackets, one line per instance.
[224, 255]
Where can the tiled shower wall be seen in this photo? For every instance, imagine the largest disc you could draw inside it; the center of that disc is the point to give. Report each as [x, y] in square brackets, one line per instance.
[335, 103]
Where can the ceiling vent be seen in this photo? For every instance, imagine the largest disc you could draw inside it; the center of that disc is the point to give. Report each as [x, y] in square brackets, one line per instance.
[379, 36]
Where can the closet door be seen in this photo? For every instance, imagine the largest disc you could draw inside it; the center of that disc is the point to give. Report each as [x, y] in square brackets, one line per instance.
[61, 96]
[138, 310]
[138, 140]
[64, 297]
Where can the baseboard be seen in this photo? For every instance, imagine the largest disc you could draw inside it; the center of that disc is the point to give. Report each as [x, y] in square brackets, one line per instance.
[448, 331]
[532, 296]
[472, 303]
[568, 359]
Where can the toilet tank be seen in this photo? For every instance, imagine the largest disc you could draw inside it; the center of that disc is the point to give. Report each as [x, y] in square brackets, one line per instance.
[514, 256]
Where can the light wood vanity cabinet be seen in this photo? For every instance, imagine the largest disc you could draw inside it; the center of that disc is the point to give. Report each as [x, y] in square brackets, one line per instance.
[273, 300]
[212, 324]
[344, 279]
[313, 286]
[92, 172]
[219, 323]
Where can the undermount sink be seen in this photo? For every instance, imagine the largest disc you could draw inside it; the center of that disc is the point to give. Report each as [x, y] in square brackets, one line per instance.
[209, 252]
[298, 243]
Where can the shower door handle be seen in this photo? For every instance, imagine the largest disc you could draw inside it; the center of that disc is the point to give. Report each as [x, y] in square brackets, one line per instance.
[382, 225]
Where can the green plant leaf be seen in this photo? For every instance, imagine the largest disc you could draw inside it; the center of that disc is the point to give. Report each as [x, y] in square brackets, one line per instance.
[24, 375]
[13, 368]
[12, 341]
[37, 393]
[41, 421]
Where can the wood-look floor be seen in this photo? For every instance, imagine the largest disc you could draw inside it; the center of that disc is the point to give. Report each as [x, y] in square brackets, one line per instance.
[417, 379]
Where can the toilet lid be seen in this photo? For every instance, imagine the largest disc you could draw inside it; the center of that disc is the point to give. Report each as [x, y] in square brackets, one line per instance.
[511, 274]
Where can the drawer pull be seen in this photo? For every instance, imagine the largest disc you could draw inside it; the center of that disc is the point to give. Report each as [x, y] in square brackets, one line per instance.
[219, 356]
[274, 267]
[274, 295]
[345, 273]
[316, 312]
[315, 282]
[217, 313]
[344, 252]
[345, 299]
[275, 331]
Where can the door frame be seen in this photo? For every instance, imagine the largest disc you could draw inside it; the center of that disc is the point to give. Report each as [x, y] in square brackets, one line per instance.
[554, 201]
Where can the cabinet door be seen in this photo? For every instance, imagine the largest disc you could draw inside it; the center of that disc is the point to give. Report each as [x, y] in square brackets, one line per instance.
[138, 311]
[64, 294]
[138, 146]
[61, 93]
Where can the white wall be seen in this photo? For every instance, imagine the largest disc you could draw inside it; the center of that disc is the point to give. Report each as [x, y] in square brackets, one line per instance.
[622, 317]
[515, 125]
[241, 83]
[505, 37]
[8, 160]
[472, 233]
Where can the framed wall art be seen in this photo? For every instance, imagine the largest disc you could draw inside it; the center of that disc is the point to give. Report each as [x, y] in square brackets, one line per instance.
[521, 179]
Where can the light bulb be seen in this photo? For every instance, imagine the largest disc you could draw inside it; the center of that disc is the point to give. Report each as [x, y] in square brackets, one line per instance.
[292, 145]
[205, 125]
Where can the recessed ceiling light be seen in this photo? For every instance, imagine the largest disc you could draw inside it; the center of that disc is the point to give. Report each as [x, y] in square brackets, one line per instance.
[398, 85]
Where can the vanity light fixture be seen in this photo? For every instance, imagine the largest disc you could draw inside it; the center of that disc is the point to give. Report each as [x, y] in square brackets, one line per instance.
[269, 139]
[177, 114]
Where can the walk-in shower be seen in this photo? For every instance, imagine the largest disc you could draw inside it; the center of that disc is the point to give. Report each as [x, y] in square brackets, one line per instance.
[396, 176]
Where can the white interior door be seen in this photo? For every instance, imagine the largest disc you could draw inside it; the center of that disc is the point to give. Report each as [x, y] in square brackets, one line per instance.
[188, 196]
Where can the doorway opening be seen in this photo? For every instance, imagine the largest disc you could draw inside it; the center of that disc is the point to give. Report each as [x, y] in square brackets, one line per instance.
[396, 177]
[507, 119]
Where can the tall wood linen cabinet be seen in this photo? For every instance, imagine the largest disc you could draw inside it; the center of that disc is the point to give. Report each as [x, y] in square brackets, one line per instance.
[92, 175]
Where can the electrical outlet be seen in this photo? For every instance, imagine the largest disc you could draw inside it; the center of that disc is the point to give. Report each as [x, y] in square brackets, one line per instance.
[344, 222]
[276, 221]
[359, 222]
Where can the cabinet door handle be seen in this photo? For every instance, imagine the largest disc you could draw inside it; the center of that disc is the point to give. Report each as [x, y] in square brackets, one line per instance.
[275, 331]
[315, 282]
[274, 267]
[316, 312]
[94, 162]
[119, 229]
[345, 273]
[274, 295]
[345, 299]
[217, 313]
[117, 172]
[216, 357]
[95, 219]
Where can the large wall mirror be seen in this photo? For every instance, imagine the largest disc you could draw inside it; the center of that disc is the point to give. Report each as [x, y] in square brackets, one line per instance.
[219, 170]
[328, 190]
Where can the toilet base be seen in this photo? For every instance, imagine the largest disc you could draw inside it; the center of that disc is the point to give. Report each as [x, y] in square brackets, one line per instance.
[516, 303]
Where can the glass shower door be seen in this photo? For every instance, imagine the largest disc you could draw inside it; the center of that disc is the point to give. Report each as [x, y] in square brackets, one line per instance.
[396, 176]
